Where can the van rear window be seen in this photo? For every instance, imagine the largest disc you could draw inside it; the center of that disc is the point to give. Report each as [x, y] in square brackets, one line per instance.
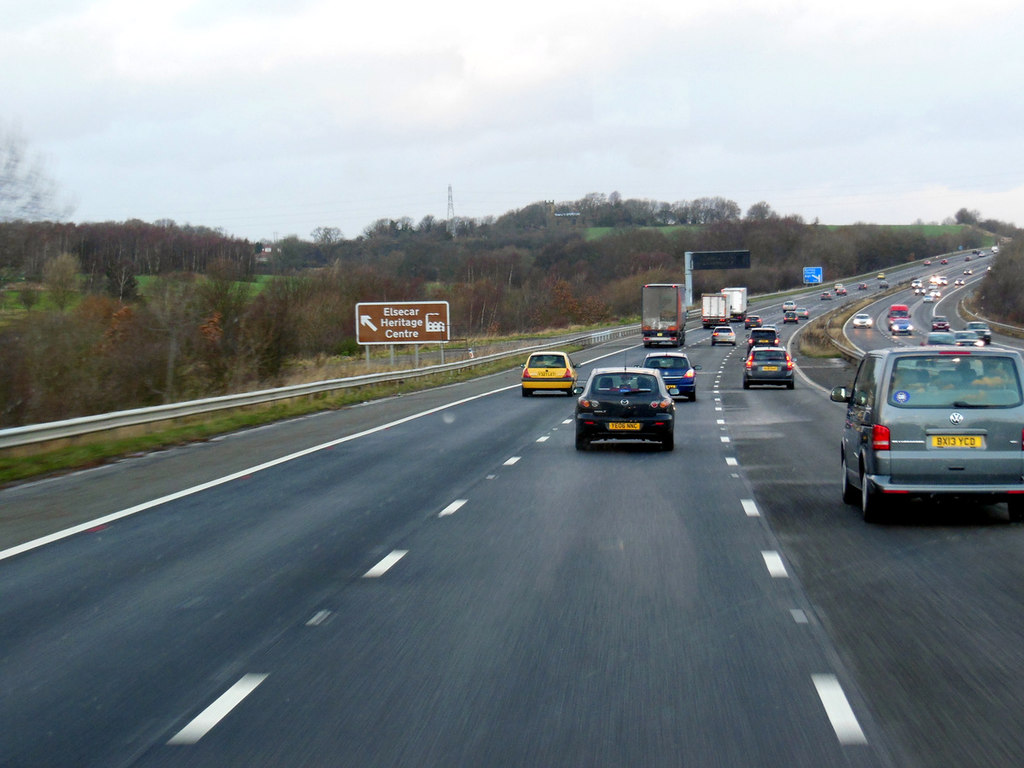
[954, 381]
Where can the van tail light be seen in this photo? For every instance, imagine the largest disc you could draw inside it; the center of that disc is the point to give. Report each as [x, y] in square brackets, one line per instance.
[880, 438]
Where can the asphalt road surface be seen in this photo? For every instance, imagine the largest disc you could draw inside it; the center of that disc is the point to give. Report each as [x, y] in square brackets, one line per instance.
[441, 579]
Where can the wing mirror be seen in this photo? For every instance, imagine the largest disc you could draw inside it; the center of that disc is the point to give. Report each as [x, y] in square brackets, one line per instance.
[840, 395]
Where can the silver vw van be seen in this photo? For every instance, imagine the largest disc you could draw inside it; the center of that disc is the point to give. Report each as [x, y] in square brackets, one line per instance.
[933, 421]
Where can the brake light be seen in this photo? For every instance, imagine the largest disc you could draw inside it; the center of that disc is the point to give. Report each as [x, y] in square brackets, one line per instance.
[789, 363]
[661, 403]
[526, 373]
[567, 374]
[880, 438]
[750, 362]
[689, 374]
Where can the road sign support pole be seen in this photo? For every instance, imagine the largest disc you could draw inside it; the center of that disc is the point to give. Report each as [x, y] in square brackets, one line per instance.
[688, 272]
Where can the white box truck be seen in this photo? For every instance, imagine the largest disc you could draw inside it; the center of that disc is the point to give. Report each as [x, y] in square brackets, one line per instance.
[714, 309]
[737, 303]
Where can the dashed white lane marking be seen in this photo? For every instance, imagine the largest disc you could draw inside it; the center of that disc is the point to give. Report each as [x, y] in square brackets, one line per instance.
[775, 567]
[838, 709]
[318, 618]
[217, 711]
[510, 461]
[725, 439]
[542, 439]
[244, 473]
[799, 616]
[750, 508]
[731, 462]
[385, 565]
[718, 408]
[567, 421]
[452, 508]
[720, 421]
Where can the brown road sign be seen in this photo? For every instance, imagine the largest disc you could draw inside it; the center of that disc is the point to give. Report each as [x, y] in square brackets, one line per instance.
[402, 322]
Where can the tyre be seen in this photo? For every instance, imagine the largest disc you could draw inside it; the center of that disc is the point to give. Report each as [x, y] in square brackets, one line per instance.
[1015, 507]
[789, 385]
[668, 442]
[872, 503]
[850, 495]
[582, 442]
[693, 396]
[746, 384]
[526, 392]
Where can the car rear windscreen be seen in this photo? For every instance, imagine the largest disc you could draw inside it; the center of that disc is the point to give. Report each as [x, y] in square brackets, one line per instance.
[955, 381]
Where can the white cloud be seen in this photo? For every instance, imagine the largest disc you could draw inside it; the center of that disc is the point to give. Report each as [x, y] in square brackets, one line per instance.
[273, 116]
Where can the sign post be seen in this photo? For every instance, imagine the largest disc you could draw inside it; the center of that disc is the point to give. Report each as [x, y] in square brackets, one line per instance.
[402, 322]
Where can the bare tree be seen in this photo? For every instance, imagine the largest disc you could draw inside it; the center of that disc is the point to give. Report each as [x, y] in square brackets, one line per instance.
[27, 192]
[60, 276]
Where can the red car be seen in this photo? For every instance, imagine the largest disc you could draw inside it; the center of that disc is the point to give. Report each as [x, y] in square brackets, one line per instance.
[940, 323]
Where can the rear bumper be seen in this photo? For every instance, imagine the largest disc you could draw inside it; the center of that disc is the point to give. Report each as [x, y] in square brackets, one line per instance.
[992, 491]
[597, 428]
[547, 384]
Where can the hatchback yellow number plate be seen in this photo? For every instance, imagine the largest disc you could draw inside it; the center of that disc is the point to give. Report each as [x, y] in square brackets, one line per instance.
[770, 368]
[958, 441]
[630, 426]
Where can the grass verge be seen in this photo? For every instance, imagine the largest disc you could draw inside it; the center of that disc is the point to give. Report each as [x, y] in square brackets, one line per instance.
[92, 450]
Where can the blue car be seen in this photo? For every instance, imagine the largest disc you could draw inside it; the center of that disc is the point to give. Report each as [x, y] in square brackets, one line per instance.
[676, 371]
[901, 326]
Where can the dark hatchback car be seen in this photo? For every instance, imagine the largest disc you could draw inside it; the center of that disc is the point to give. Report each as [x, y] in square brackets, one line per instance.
[625, 404]
[676, 371]
[752, 321]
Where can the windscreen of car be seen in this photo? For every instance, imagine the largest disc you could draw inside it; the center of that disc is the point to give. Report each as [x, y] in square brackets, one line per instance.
[772, 355]
[546, 361]
[954, 381]
[667, 363]
[625, 383]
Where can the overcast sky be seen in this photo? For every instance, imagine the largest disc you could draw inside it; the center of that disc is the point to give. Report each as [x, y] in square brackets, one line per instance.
[274, 117]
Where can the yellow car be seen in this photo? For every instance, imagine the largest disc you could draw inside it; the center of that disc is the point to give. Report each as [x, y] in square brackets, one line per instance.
[549, 372]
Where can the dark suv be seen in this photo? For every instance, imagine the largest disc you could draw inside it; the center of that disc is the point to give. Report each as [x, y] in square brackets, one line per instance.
[766, 336]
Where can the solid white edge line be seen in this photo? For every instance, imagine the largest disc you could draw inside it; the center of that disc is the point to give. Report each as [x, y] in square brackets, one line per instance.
[67, 532]
[218, 710]
[452, 508]
[838, 710]
[385, 565]
[49, 539]
[775, 566]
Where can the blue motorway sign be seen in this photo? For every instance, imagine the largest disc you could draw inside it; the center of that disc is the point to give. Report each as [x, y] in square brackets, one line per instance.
[812, 275]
